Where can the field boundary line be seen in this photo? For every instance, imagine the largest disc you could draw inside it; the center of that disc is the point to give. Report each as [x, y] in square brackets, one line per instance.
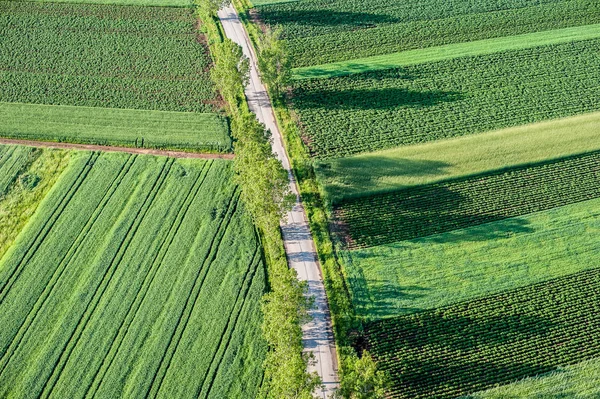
[66, 259]
[448, 51]
[48, 224]
[192, 298]
[104, 282]
[148, 280]
[108, 148]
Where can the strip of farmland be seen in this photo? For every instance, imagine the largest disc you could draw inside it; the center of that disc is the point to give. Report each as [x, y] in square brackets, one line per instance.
[407, 166]
[104, 56]
[439, 270]
[456, 204]
[320, 32]
[377, 110]
[206, 132]
[467, 347]
[449, 51]
[136, 276]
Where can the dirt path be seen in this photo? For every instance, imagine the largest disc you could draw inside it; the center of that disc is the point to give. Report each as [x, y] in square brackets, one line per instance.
[298, 240]
[93, 147]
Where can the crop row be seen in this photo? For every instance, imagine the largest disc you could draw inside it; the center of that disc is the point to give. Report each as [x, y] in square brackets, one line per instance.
[74, 55]
[320, 33]
[471, 346]
[375, 110]
[91, 302]
[456, 204]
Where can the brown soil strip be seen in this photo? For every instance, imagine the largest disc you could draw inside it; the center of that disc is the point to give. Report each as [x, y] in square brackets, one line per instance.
[93, 147]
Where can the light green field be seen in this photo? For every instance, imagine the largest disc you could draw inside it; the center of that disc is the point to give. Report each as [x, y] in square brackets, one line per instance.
[152, 3]
[111, 126]
[449, 51]
[580, 381]
[426, 163]
[137, 276]
[407, 276]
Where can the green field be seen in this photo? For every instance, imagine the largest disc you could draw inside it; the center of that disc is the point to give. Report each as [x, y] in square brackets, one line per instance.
[438, 270]
[136, 276]
[382, 109]
[104, 56]
[320, 32]
[402, 167]
[581, 381]
[150, 3]
[449, 51]
[493, 340]
[112, 126]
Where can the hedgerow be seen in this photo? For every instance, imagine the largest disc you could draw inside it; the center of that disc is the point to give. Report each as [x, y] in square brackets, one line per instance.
[320, 32]
[471, 346]
[456, 204]
[375, 110]
[104, 56]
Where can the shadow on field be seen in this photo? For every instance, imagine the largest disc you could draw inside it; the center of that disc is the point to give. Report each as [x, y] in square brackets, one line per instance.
[325, 18]
[367, 99]
[356, 176]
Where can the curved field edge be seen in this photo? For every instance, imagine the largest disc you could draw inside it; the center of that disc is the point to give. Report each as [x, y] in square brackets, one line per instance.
[439, 270]
[207, 132]
[449, 51]
[397, 168]
[581, 381]
[20, 202]
[103, 250]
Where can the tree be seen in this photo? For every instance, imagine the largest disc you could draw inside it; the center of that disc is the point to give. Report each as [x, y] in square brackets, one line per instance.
[273, 61]
[362, 381]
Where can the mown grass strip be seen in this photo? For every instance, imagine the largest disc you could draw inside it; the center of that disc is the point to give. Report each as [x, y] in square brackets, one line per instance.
[443, 269]
[494, 340]
[456, 204]
[449, 51]
[402, 167]
[207, 132]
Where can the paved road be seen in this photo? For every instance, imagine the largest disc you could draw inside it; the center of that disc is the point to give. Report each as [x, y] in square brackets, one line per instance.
[299, 245]
[129, 150]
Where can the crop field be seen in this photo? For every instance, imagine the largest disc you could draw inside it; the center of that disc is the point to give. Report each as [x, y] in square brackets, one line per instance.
[399, 168]
[150, 3]
[382, 109]
[104, 56]
[320, 32]
[438, 270]
[450, 205]
[13, 162]
[136, 276]
[474, 345]
[206, 132]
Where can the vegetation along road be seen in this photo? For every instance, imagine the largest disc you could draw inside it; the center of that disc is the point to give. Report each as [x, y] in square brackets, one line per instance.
[300, 249]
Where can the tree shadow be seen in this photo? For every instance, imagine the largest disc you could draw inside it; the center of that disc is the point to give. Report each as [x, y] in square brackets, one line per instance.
[362, 174]
[324, 18]
[496, 340]
[370, 99]
[422, 212]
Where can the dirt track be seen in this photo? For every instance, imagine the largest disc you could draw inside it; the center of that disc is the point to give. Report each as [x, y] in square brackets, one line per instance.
[92, 147]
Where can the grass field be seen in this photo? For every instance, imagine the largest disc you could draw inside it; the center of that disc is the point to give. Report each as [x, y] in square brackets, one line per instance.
[112, 126]
[136, 276]
[321, 32]
[104, 56]
[427, 102]
[581, 381]
[438, 270]
[398, 168]
[449, 51]
[493, 340]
